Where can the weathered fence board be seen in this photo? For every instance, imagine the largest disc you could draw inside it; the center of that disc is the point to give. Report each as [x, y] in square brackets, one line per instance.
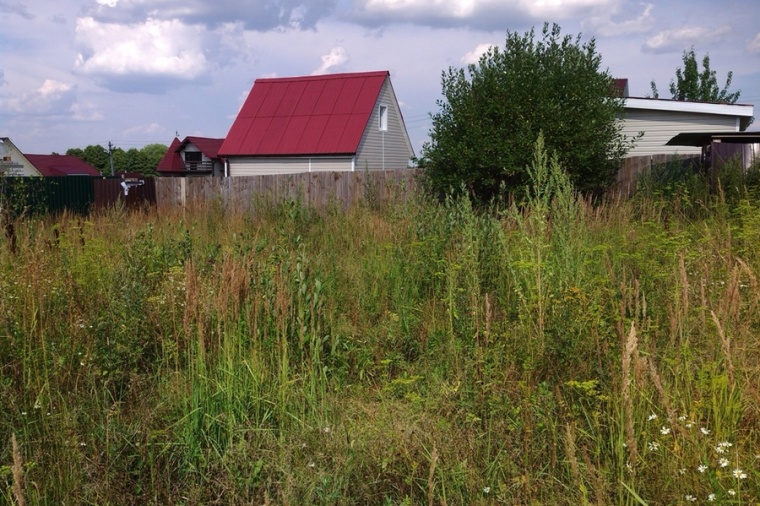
[316, 189]
[634, 166]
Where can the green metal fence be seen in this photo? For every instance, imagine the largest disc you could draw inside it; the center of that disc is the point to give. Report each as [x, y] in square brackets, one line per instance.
[26, 196]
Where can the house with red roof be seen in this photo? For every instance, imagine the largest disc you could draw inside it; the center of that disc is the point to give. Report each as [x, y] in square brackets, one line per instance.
[194, 156]
[61, 165]
[16, 163]
[335, 122]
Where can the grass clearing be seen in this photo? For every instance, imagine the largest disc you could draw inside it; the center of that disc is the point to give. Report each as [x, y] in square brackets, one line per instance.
[412, 353]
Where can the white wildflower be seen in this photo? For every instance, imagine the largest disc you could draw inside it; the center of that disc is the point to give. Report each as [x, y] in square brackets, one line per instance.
[739, 474]
[723, 462]
[702, 468]
[665, 430]
[486, 490]
[704, 431]
[652, 417]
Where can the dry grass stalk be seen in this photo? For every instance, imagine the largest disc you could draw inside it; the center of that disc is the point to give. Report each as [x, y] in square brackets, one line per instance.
[431, 476]
[570, 450]
[726, 346]
[657, 381]
[18, 473]
[631, 346]
[599, 487]
[684, 294]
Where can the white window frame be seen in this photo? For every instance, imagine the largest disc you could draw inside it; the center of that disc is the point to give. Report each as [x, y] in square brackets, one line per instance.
[382, 118]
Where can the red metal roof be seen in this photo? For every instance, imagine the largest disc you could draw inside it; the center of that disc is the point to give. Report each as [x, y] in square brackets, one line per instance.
[61, 165]
[172, 160]
[308, 115]
[208, 146]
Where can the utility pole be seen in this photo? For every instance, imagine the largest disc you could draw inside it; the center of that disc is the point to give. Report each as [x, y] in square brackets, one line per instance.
[110, 156]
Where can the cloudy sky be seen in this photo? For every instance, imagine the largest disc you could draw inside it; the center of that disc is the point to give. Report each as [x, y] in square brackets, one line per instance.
[134, 72]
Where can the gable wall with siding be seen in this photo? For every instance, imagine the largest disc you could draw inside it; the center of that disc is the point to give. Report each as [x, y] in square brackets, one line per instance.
[14, 163]
[255, 166]
[661, 126]
[393, 143]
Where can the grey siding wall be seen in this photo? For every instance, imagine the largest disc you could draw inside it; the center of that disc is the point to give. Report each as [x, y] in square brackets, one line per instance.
[661, 126]
[385, 150]
[250, 166]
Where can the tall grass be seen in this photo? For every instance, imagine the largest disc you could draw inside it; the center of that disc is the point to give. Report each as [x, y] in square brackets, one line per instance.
[550, 351]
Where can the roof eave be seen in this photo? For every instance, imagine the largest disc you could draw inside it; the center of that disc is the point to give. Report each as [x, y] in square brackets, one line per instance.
[651, 104]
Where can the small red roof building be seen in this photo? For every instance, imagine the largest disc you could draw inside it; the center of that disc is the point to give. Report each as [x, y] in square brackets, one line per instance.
[192, 156]
[61, 165]
[332, 122]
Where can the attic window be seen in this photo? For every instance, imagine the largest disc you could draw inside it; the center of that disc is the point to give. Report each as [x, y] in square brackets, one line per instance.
[383, 118]
[193, 156]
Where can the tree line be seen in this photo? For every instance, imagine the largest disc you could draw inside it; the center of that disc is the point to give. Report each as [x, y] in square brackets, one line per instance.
[144, 160]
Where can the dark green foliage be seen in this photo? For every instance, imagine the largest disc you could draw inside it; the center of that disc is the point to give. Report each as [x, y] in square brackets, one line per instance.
[144, 160]
[691, 84]
[493, 112]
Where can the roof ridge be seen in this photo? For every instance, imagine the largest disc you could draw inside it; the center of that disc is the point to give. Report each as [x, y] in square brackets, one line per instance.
[318, 77]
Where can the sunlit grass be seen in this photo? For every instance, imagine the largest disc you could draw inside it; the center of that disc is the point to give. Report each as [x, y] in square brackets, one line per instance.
[554, 352]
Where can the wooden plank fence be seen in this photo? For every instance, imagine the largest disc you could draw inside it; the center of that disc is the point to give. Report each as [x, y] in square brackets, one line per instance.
[634, 166]
[314, 189]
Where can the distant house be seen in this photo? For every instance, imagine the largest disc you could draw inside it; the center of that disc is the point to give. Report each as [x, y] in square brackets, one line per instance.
[338, 122]
[13, 162]
[62, 165]
[194, 156]
[16, 163]
[661, 119]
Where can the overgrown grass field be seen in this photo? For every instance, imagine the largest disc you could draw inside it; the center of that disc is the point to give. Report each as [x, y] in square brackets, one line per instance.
[555, 352]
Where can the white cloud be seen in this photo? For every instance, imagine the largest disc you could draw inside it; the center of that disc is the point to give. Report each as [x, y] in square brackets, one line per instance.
[563, 9]
[149, 130]
[259, 15]
[86, 111]
[334, 61]
[52, 97]
[483, 14]
[473, 56]
[158, 52]
[753, 45]
[680, 39]
[606, 26]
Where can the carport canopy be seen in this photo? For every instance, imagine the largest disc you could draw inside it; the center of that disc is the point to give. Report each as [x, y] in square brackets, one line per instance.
[701, 139]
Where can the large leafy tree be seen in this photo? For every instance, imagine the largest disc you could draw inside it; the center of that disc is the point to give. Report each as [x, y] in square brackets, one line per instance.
[491, 115]
[692, 84]
[94, 154]
[144, 160]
